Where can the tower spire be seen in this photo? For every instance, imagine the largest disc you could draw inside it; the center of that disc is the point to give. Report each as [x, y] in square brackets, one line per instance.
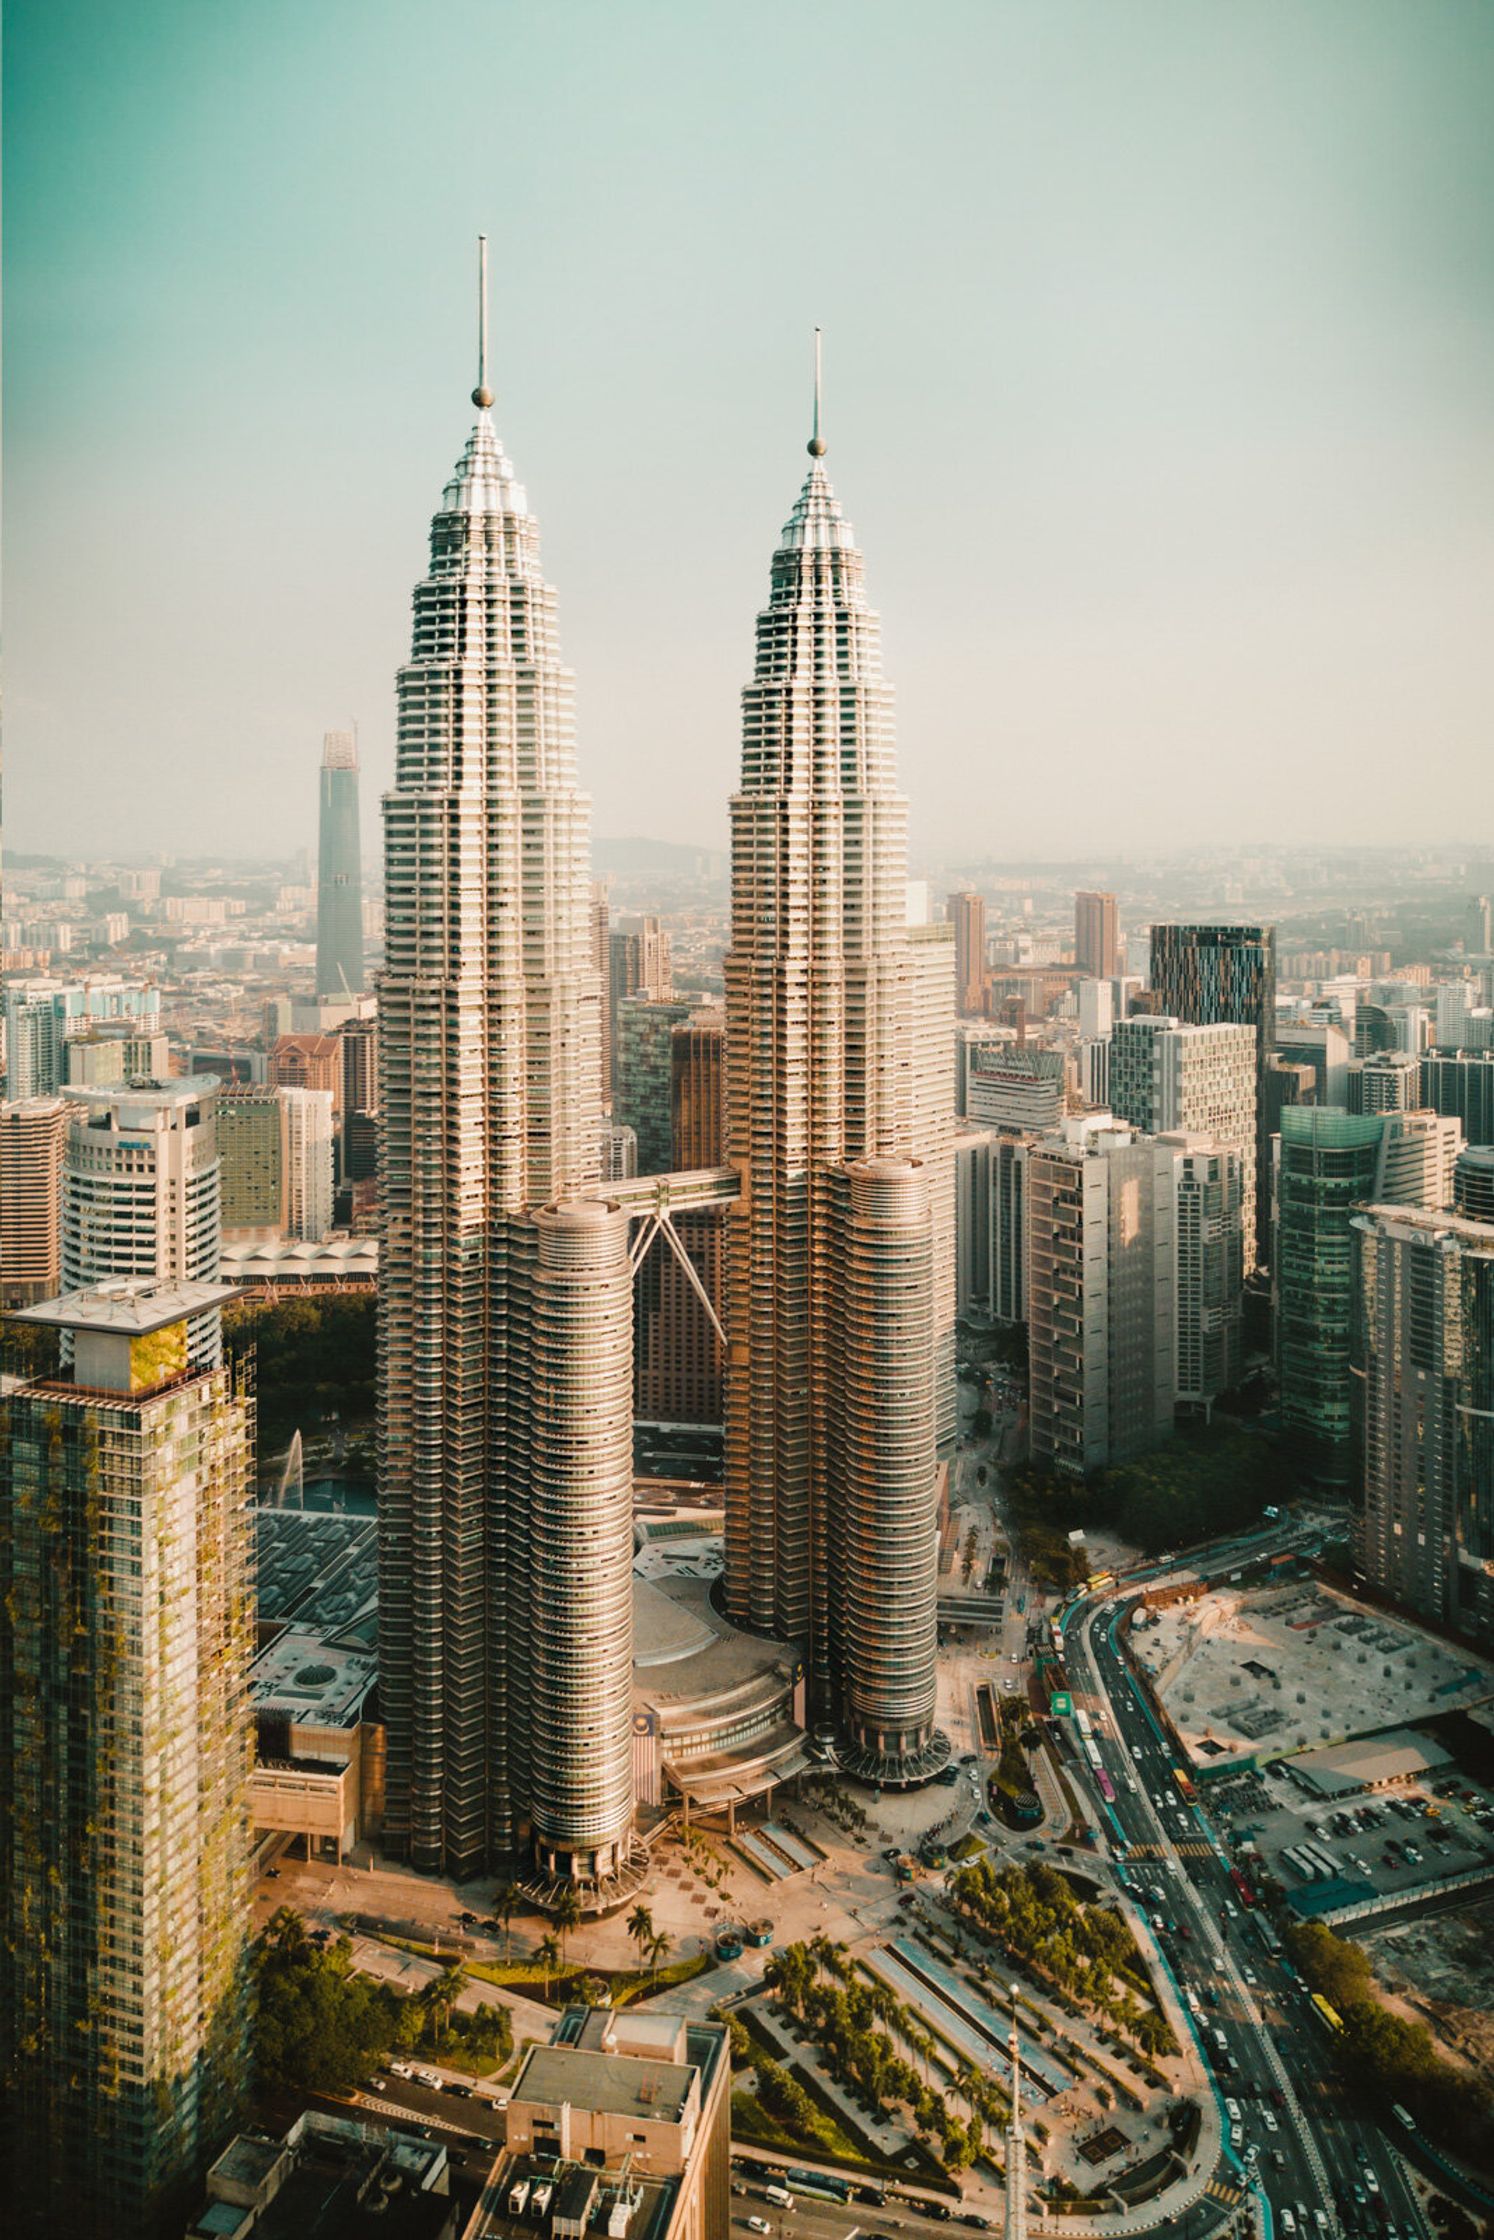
[816, 444]
[482, 395]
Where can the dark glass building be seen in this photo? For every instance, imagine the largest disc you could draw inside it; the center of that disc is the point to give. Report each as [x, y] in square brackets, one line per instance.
[339, 890]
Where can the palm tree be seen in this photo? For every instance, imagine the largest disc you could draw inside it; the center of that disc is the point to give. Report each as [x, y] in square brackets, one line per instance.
[658, 1945]
[567, 1914]
[441, 1994]
[548, 1956]
[507, 1899]
[640, 1927]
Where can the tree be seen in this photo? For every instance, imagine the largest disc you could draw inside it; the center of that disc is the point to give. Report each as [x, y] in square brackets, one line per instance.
[319, 2027]
[507, 1899]
[658, 1945]
[567, 1912]
[548, 1955]
[640, 1927]
[441, 1994]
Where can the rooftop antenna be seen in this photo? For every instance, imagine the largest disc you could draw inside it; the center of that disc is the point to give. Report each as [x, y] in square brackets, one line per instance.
[482, 395]
[816, 445]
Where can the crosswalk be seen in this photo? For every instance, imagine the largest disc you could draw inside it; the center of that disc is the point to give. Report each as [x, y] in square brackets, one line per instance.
[1187, 1850]
[1221, 2189]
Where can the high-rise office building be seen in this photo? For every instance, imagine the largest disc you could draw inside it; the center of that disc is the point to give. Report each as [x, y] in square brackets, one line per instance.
[339, 882]
[1478, 927]
[251, 1162]
[642, 1082]
[309, 1061]
[1096, 935]
[1009, 1157]
[140, 1192]
[1211, 1180]
[1329, 1162]
[1473, 1182]
[1461, 1082]
[933, 1132]
[970, 1036]
[117, 1053]
[1101, 1294]
[1209, 975]
[822, 1105]
[972, 1173]
[967, 914]
[1019, 1087]
[1423, 1359]
[1202, 1080]
[638, 964]
[1323, 1046]
[505, 1292]
[360, 1065]
[126, 1749]
[33, 1143]
[1388, 1082]
[41, 1015]
[679, 1353]
[309, 1163]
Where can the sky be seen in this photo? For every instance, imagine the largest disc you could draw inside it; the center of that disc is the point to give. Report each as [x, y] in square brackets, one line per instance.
[1158, 347]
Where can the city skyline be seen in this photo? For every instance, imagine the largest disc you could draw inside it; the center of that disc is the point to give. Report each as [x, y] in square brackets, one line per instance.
[1217, 439]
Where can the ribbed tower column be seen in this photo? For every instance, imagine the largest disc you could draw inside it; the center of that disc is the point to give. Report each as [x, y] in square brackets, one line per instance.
[489, 1035]
[885, 1498]
[579, 1569]
[822, 989]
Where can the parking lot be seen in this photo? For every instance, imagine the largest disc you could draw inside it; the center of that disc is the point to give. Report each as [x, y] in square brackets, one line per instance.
[1402, 1840]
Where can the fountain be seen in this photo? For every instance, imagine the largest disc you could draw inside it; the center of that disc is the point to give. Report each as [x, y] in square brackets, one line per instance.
[292, 1477]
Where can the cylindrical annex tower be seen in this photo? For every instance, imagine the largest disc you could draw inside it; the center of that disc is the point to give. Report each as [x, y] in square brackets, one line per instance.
[579, 1557]
[885, 1497]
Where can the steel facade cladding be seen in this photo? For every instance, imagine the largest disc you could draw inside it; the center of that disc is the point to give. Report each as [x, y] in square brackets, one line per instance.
[489, 1058]
[821, 988]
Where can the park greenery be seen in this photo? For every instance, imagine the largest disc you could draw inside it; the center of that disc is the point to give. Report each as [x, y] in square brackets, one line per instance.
[321, 2027]
[1205, 1480]
[314, 1359]
[1084, 1952]
[1388, 2054]
[857, 2024]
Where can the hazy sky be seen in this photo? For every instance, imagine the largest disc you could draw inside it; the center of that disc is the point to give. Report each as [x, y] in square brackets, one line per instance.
[1160, 390]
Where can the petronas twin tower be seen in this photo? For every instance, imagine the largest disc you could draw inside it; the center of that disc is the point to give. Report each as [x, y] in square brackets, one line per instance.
[506, 1295]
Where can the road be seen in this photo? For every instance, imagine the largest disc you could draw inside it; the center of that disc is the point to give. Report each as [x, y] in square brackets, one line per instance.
[1317, 2153]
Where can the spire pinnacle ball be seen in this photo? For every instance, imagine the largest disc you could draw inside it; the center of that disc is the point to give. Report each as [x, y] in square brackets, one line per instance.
[482, 397]
[816, 447]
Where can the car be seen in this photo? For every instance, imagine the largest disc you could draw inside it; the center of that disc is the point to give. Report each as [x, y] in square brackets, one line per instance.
[1269, 2120]
[466, 1917]
[974, 2218]
[272, 1874]
[1276, 2096]
[1287, 2222]
[1371, 2180]
[737, 2186]
[758, 2224]
[939, 2209]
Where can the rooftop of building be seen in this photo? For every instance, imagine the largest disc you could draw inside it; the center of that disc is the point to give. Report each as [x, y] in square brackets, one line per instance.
[145, 1096]
[611, 2084]
[1374, 1763]
[320, 1568]
[313, 1677]
[339, 2177]
[282, 1260]
[642, 2210]
[129, 1306]
[1435, 1228]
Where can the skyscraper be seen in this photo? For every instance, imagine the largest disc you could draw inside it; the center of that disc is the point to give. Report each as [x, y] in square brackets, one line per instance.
[1461, 1082]
[1211, 1236]
[822, 1110]
[642, 1088]
[1096, 935]
[33, 1141]
[1209, 974]
[1101, 1294]
[140, 1192]
[126, 1748]
[1423, 1358]
[638, 964]
[679, 1353]
[1330, 1162]
[967, 914]
[339, 879]
[1165, 1076]
[505, 1497]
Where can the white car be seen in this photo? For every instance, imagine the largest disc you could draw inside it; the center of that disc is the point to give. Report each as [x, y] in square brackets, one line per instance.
[758, 2224]
[1269, 2120]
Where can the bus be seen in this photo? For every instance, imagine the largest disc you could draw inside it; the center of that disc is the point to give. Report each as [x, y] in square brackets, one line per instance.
[1107, 1786]
[1267, 1935]
[1100, 1580]
[1082, 1722]
[1189, 1792]
[823, 2188]
[1326, 2013]
[1242, 1889]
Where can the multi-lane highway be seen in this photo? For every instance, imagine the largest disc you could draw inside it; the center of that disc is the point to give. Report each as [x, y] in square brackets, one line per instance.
[1322, 2167]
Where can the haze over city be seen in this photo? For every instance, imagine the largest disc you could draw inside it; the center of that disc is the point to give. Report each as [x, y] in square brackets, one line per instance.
[1156, 343]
